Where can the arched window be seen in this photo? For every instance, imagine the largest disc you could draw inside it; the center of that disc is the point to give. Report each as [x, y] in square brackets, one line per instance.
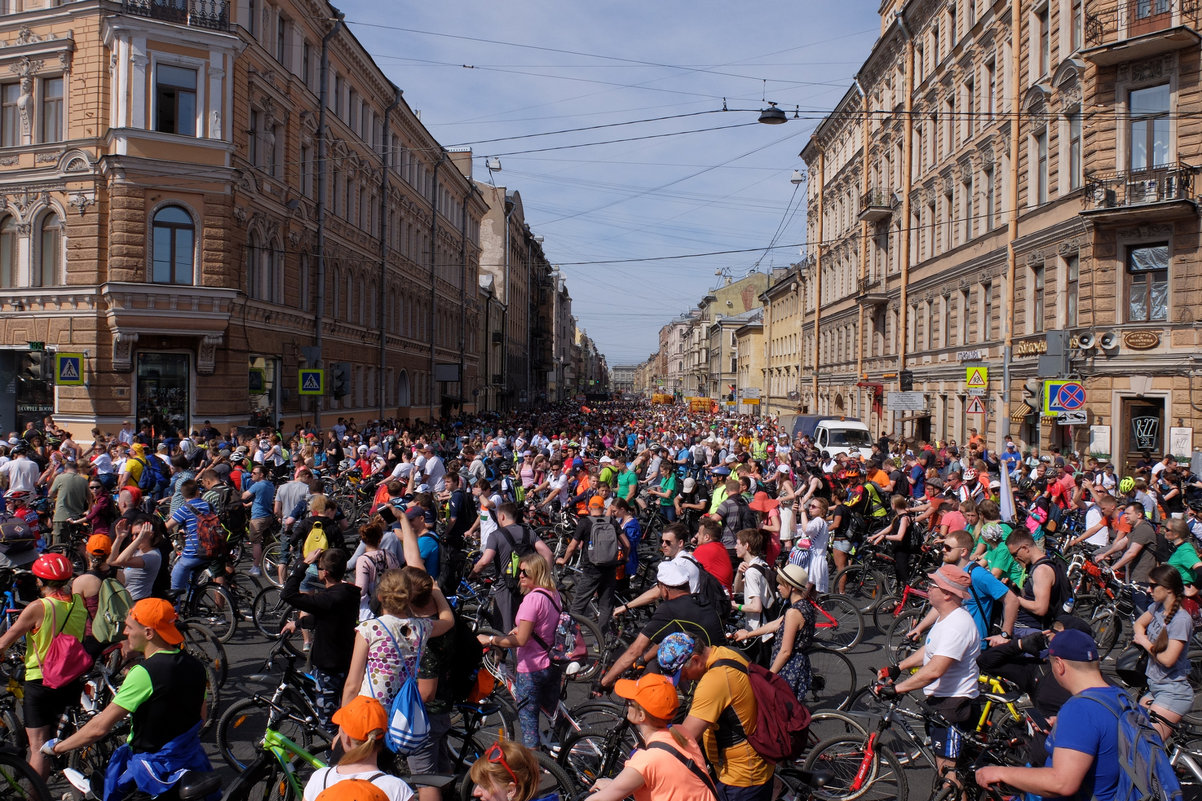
[48, 270]
[173, 246]
[8, 253]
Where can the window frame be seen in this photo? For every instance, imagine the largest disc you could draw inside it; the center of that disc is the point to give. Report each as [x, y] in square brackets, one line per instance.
[42, 108]
[173, 227]
[1131, 279]
[196, 66]
[1150, 134]
[37, 267]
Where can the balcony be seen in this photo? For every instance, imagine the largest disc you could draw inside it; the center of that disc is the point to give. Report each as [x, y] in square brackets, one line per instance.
[1137, 29]
[872, 293]
[876, 205]
[211, 14]
[1158, 193]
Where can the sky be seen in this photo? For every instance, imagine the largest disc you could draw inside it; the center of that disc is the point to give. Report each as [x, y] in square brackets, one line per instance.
[664, 189]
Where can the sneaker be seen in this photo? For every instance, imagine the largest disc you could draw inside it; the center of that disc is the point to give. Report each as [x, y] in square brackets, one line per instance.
[254, 571]
[307, 647]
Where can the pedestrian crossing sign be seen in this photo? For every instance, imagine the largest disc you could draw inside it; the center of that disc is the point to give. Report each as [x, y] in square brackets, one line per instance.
[977, 377]
[68, 369]
[312, 382]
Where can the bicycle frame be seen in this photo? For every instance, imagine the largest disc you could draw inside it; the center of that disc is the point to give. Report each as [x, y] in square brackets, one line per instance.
[285, 751]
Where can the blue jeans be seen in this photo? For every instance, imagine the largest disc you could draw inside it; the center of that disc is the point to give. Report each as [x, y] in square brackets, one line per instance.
[759, 792]
[329, 692]
[184, 569]
[538, 690]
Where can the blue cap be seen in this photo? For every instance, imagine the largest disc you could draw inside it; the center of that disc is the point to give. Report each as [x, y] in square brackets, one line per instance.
[675, 650]
[1074, 645]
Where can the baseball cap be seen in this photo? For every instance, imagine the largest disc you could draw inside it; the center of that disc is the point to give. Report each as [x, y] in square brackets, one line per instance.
[605, 460]
[782, 468]
[100, 544]
[158, 614]
[690, 484]
[414, 512]
[352, 790]
[674, 651]
[671, 574]
[596, 502]
[362, 716]
[654, 692]
[952, 579]
[1074, 645]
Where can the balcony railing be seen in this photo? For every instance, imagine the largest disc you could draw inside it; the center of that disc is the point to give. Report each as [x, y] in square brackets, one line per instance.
[1155, 25]
[1133, 188]
[876, 204]
[872, 292]
[211, 14]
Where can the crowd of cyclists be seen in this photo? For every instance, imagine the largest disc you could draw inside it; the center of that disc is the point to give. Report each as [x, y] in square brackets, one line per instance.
[694, 576]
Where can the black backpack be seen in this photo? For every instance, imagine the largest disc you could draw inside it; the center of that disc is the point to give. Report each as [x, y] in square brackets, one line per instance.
[710, 590]
[747, 516]
[230, 510]
[508, 568]
[466, 659]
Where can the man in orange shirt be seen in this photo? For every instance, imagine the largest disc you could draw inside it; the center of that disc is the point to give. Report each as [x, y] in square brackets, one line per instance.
[584, 487]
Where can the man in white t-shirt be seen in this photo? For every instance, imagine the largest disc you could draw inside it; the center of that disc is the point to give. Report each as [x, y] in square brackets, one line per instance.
[948, 659]
[434, 469]
[21, 472]
[1098, 516]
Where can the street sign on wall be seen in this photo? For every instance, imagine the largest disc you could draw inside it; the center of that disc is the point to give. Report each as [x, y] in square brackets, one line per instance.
[1062, 395]
[976, 377]
[905, 401]
[311, 382]
[1072, 418]
[975, 405]
[68, 369]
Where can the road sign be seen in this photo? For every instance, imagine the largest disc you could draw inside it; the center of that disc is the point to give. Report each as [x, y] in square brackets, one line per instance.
[976, 377]
[312, 382]
[974, 391]
[258, 381]
[750, 392]
[905, 401]
[975, 405]
[1072, 418]
[1061, 395]
[68, 369]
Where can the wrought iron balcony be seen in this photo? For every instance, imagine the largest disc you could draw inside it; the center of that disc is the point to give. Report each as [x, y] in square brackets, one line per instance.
[876, 205]
[1135, 29]
[211, 14]
[1163, 191]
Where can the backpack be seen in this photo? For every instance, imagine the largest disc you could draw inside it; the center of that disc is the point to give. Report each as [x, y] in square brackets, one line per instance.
[775, 606]
[568, 644]
[604, 548]
[316, 540]
[517, 550]
[408, 722]
[710, 590]
[230, 510]
[914, 537]
[210, 536]
[747, 516]
[153, 477]
[108, 626]
[1145, 773]
[782, 722]
[464, 666]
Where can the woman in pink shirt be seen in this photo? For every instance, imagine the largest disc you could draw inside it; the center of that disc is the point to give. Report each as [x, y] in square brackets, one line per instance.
[537, 679]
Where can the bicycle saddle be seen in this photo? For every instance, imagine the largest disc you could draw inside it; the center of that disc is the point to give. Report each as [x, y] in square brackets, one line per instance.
[197, 784]
[1008, 697]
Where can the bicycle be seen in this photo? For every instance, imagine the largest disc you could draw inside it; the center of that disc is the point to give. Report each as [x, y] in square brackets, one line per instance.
[18, 781]
[838, 623]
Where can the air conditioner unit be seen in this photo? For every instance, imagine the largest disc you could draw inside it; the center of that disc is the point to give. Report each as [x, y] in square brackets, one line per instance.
[1086, 341]
[1108, 341]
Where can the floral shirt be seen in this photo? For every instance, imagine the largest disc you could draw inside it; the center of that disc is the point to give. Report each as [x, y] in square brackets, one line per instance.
[388, 668]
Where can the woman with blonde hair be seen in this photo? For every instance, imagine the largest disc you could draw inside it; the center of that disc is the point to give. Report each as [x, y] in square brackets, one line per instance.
[537, 678]
[361, 727]
[508, 771]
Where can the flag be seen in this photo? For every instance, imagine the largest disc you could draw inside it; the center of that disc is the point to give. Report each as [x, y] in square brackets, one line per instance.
[1007, 501]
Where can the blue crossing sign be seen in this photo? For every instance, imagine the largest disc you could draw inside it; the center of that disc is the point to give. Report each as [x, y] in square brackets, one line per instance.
[311, 382]
[68, 369]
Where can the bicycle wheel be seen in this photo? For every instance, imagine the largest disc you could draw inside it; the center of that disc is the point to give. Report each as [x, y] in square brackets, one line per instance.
[838, 623]
[259, 782]
[273, 561]
[598, 715]
[865, 704]
[594, 643]
[1107, 627]
[499, 725]
[241, 729]
[833, 679]
[18, 782]
[212, 606]
[270, 612]
[897, 646]
[842, 759]
[202, 643]
[591, 755]
[827, 724]
[93, 761]
[865, 586]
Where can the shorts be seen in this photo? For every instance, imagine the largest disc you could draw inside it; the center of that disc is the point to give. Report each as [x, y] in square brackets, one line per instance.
[948, 741]
[841, 545]
[1175, 696]
[258, 527]
[43, 706]
[432, 755]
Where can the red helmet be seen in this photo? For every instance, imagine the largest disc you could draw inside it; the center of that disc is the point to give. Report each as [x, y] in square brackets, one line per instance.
[52, 567]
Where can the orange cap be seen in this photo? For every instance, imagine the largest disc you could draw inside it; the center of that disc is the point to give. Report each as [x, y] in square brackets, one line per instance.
[159, 615]
[100, 545]
[596, 502]
[654, 692]
[361, 717]
[352, 790]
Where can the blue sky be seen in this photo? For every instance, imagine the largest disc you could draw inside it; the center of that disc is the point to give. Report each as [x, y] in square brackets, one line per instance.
[481, 71]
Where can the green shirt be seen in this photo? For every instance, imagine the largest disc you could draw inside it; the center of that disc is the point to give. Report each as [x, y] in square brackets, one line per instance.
[670, 486]
[627, 480]
[1184, 558]
[999, 558]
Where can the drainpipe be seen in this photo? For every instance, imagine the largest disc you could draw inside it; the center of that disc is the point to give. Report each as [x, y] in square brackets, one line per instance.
[1012, 225]
[818, 273]
[907, 175]
[383, 288]
[504, 362]
[864, 240]
[442, 155]
[463, 293]
[323, 93]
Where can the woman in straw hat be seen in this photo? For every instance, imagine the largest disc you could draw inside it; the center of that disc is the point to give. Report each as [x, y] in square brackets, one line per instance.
[794, 630]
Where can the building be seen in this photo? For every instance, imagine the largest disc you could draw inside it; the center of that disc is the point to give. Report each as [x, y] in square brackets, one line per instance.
[730, 298]
[749, 358]
[202, 200]
[722, 348]
[561, 377]
[622, 377]
[673, 341]
[976, 216]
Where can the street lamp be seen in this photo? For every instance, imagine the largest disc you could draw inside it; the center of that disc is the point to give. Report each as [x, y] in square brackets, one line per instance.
[772, 115]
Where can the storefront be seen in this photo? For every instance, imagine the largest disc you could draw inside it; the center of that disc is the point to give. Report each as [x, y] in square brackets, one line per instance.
[163, 390]
[264, 391]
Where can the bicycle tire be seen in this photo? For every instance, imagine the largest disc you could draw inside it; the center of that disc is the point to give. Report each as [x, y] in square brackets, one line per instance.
[594, 643]
[1107, 626]
[897, 647]
[212, 606]
[241, 727]
[19, 782]
[585, 756]
[273, 560]
[826, 724]
[269, 612]
[841, 757]
[864, 585]
[833, 679]
[201, 642]
[12, 730]
[848, 625]
[256, 783]
[598, 715]
[92, 761]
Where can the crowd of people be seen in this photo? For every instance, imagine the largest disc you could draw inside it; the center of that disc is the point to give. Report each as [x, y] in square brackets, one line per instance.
[739, 523]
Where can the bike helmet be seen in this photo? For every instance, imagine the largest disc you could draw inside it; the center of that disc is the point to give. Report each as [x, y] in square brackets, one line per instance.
[969, 475]
[52, 567]
[1126, 485]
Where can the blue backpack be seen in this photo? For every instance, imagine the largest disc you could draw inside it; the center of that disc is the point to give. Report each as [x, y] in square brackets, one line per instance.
[1145, 771]
[154, 476]
[408, 722]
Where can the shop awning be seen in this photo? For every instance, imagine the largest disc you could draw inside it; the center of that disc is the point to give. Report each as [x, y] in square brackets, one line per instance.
[1019, 413]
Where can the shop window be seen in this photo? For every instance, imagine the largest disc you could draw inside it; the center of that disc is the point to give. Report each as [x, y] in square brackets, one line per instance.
[172, 246]
[47, 270]
[1148, 283]
[175, 100]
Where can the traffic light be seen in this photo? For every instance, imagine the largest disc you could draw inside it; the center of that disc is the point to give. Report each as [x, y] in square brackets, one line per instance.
[906, 380]
[731, 396]
[340, 379]
[35, 366]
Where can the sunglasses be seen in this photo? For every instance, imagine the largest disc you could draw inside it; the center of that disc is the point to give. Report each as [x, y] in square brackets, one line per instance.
[1153, 585]
[948, 548]
[522, 572]
[496, 756]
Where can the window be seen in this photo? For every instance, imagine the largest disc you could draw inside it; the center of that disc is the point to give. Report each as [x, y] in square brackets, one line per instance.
[50, 251]
[964, 314]
[252, 17]
[50, 122]
[1044, 43]
[10, 116]
[306, 279]
[986, 311]
[1149, 132]
[8, 253]
[1041, 167]
[281, 39]
[990, 104]
[1072, 286]
[990, 199]
[175, 100]
[1074, 149]
[172, 246]
[1037, 286]
[306, 171]
[1148, 283]
[306, 60]
[253, 149]
[337, 94]
[1077, 29]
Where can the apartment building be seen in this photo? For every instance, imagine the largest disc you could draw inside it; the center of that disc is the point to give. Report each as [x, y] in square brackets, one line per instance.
[1025, 169]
